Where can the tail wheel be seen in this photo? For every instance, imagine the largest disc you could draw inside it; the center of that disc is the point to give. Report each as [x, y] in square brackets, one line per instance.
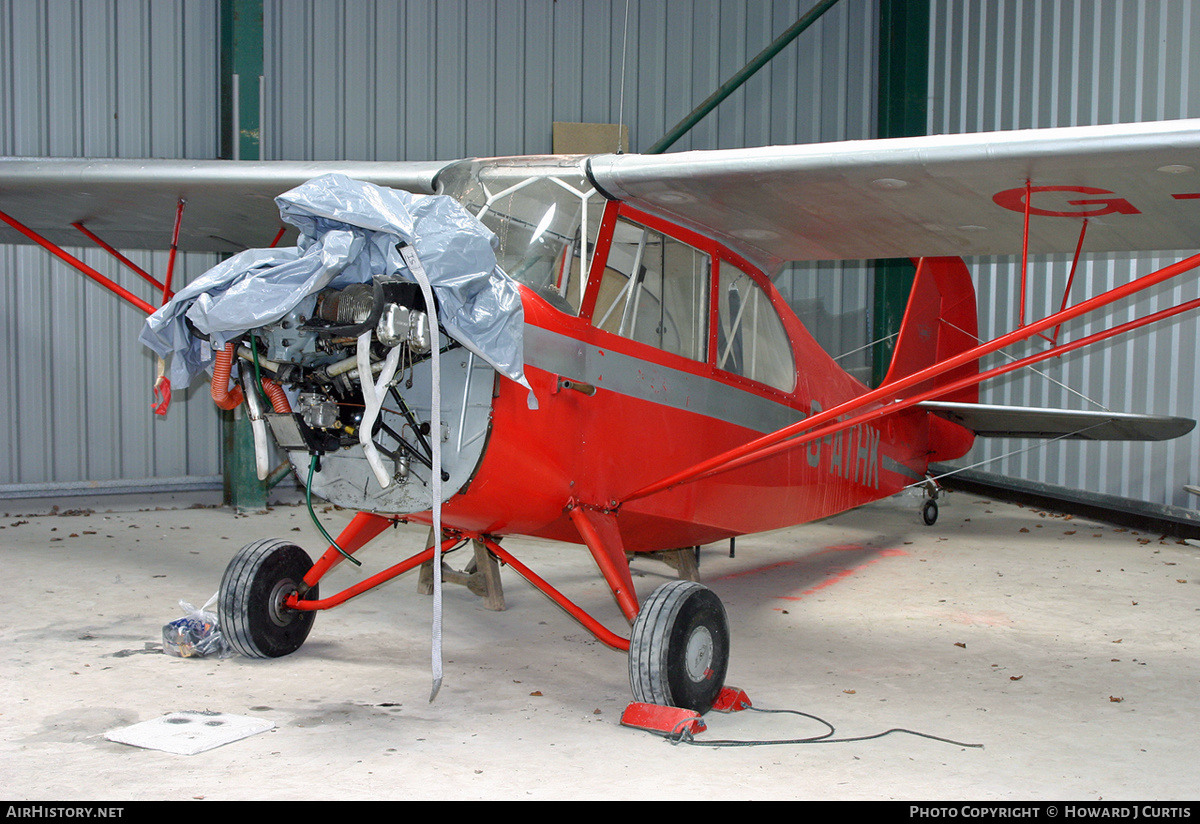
[251, 611]
[929, 512]
[679, 648]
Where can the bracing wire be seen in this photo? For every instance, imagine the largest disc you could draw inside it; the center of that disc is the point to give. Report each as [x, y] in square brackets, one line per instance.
[1030, 448]
[1031, 368]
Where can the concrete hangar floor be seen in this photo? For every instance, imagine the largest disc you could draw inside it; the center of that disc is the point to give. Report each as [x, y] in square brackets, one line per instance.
[1065, 647]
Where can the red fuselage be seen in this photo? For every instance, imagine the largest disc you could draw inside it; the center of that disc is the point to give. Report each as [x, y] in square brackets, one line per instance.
[654, 412]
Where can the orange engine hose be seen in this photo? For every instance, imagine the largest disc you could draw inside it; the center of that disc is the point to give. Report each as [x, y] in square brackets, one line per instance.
[277, 396]
[221, 394]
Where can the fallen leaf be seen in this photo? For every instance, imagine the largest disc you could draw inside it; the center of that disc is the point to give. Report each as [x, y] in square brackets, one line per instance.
[960, 644]
[849, 692]
[1115, 699]
[536, 693]
[1015, 677]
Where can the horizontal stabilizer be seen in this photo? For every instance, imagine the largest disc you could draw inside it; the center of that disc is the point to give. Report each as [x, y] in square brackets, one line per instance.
[991, 421]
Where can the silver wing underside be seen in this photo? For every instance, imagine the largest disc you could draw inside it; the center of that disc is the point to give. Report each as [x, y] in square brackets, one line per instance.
[849, 200]
[918, 196]
[1025, 422]
[131, 203]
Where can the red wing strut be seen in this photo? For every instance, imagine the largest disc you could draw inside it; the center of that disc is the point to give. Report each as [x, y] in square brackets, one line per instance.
[889, 398]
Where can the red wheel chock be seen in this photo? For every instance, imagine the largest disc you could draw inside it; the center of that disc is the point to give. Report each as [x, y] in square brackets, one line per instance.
[731, 699]
[675, 720]
[656, 718]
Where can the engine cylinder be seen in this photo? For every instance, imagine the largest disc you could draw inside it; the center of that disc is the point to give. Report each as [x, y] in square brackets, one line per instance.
[348, 306]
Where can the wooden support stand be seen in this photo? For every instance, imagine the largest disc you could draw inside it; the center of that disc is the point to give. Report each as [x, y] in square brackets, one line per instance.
[481, 576]
[682, 561]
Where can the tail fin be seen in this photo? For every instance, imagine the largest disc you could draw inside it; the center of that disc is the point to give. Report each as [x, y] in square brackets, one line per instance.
[940, 322]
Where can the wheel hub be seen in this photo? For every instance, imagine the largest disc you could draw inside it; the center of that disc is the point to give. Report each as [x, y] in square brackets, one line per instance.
[699, 655]
[281, 616]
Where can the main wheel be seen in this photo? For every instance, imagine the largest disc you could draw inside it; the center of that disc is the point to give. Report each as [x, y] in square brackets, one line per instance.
[679, 648]
[250, 611]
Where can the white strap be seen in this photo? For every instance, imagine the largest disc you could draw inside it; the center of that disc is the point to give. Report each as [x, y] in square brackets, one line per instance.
[373, 395]
[435, 441]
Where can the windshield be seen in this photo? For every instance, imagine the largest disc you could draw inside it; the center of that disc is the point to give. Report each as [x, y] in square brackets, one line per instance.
[545, 215]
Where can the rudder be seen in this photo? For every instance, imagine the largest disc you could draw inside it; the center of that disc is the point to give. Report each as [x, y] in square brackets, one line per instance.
[941, 321]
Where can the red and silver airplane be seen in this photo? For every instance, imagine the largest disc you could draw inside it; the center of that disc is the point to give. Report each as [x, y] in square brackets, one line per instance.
[679, 400]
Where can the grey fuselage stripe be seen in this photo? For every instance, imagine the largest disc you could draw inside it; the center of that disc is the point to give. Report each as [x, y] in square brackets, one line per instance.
[634, 377]
[645, 380]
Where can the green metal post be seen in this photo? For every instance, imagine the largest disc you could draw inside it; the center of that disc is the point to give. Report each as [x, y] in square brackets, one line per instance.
[241, 75]
[745, 73]
[902, 110]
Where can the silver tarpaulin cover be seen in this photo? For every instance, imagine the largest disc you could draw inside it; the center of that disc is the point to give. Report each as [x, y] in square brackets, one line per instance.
[348, 234]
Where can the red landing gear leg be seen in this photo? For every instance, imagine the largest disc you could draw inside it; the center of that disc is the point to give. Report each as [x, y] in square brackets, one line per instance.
[679, 647]
[603, 539]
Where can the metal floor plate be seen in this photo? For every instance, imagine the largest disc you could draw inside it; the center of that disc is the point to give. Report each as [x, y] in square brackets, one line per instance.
[189, 732]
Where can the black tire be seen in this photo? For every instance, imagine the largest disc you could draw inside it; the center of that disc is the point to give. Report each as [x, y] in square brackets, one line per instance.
[679, 647]
[250, 609]
[929, 512]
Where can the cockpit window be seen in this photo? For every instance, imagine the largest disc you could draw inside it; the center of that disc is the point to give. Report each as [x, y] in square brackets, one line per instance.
[655, 290]
[751, 340]
[545, 217]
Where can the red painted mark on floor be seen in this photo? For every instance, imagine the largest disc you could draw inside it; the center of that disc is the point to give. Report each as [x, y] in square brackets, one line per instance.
[757, 570]
[838, 575]
[844, 573]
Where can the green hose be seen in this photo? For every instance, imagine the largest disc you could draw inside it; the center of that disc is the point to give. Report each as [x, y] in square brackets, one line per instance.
[312, 465]
[257, 372]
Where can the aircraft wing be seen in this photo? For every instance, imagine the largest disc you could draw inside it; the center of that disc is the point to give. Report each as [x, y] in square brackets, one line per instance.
[989, 420]
[1138, 184]
[131, 204]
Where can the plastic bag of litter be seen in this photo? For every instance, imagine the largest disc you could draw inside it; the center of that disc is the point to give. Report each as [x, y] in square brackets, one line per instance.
[196, 635]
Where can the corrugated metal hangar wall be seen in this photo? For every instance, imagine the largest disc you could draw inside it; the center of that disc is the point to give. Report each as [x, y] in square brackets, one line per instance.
[99, 79]
[420, 80]
[1016, 64]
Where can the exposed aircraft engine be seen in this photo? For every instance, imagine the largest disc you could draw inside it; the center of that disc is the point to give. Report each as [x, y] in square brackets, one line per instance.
[333, 343]
[314, 352]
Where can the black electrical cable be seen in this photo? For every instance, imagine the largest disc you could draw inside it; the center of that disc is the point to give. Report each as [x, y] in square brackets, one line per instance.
[684, 735]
